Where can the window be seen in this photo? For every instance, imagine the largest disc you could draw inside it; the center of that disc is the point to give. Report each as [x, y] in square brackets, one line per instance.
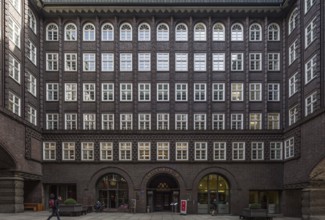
[32, 23]
[199, 122]
[125, 151]
[52, 121]
[181, 32]
[144, 92]
[181, 62]
[273, 92]
[31, 84]
[289, 148]
[255, 121]
[107, 62]
[107, 121]
[273, 61]
[162, 92]
[199, 92]
[181, 121]
[237, 121]
[237, 62]
[70, 32]
[89, 121]
[293, 51]
[14, 69]
[126, 121]
[106, 151]
[89, 62]
[293, 84]
[310, 34]
[238, 151]
[144, 122]
[107, 32]
[293, 115]
[200, 62]
[87, 151]
[14, 103]
[126, 61]
[31, 52]
[107, 92]
[257, 151]
[255, 92]
[14, 32]
[218, 62]
[144, 62]
[201, 150]
[181, 92]
[255, 32]
[144, 151]
[218, 121]
[144, 32]
[16, 5]
[310, 103]
[162, 121]
[293, 20]
[68, 151]
[89, 92]
[237, 91]
[162, 151]
[275, 150]
[70, 121]
[181, 151]
[70, 63]
[52, 32]
[52, 91]
[273, 121]
[52, 61]
[89, 33]
[308, 5]
[31, 115]
[49, 151]
[162, 32]
[255, 61]
[70, 92]
[162, 61]
[218, 32]
[219, 151]
[200, 32]
[237, 32]
[274, 32]
[126, 92]
[125, 32]
[310, 69]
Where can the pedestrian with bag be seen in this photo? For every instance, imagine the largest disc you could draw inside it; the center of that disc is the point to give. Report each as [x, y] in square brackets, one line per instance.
[54, 205]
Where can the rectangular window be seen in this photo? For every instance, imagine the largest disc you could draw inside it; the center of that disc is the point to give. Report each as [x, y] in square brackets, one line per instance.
[126, 121]
[237, 121]
[308, 5]
[218, 121]
[107, 62]
[293, 115]
[31, 115]
[15, 4]
[275, 150]
[181, 151]
[181, 92]
[255, 121]
[89, 62]
[14, 69]
[238, 151]
[89, 91]
[310, 34]
[52, 61]
[289, 148]
[49, 151]
[144, 92]
[70, 62]
[219, 151]
[31, 51]
[257, 151]
[144, 151]
[52, 91]
[106, 151]
[274, 61]
[218, 92]
[52, 121]
[199, 92]
[201, 150]
[273, 92]
[218, 62]
[87, 151]
[144, 62]
[70, 92]
[70, 121]
[200, 62]
[310, 69]
[273, 121]
[255, 92]
[68, 151]
[31, 83]
[162, 92]
[237, 90]
[293, 84]
[310, 103]
[181, 122]
[14, 32]
[162, 151]
[237, 61]
[125, 151]
[107, 121]
[293, 51]
[126, 61]
[162, 121]
[162, 61]
[144, 122]
[181, 62]
[126, 92]
[199, 121]
[107, 92]
[89, 121]
[255, 61]
[14, 104]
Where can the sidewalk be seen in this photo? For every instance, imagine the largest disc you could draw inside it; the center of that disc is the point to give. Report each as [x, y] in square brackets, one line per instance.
[28, 215]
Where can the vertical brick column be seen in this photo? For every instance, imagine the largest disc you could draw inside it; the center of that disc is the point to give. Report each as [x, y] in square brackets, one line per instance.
[11, 194]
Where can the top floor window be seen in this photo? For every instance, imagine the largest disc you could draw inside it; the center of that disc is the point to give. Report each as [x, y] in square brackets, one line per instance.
[293, 20]
[32, 20]
[70, 32]
[52, 32]
[181, 32]
[274, 32]
[144, 32]
[218, 32]
[162, 32]
[237, 32]
[126, 32]
[89, 32]
[308, 5]
[200, 32]
[255, 32]
[107, 32]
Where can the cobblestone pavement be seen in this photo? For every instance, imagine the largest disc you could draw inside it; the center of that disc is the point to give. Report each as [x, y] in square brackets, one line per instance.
[122, 216]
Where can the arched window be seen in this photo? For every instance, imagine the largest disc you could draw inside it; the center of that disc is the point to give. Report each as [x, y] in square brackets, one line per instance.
[162, 32]
[200, 32]
[255, 32]
[125, 32]
[89, 32]
[293, 20]
[144, 32]
[107, 32]
[274, 32]
[52, 32]
[181, 32]
[70, 32]
[237, 32]
[32, 20]
[218, 32]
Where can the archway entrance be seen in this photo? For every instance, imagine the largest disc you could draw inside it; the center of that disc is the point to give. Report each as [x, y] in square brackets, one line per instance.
[213, 194]
[162, 191]
[113, 191]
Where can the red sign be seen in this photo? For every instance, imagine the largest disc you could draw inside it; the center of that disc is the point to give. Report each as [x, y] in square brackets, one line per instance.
[183, 207]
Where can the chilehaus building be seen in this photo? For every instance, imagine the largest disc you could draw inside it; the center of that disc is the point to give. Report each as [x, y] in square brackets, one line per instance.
[151, 102]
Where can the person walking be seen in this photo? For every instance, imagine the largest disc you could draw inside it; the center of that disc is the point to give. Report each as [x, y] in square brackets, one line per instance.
[54, 205]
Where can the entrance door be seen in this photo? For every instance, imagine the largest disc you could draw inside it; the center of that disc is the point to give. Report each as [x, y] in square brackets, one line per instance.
[112, 199]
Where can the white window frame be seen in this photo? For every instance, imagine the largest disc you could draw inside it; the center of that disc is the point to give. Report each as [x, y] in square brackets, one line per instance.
[181, 62]
[144, 61]
[181, 121]
[52, 92]
[144, 32]
[52, 61]
[200, 62]
[218, 121]
[273, 92]
[181, 92]
[144, 121]
[273, 121]
[181, 153]
[293, 19]
[14, 69]
[87, 151]
[70, 32]
[237, 92]
[52, 121]
[31, 114]
[310, 34]
[255, 92]
[14, 103]
[106, 151]
[89, 62]
[310, 69]
[125, 32]
[181, 34]
[16, 4]
[70, 62]
[200, 32]
[70, 92]
[49, 151]
[52, 32]
[70, 121]
[238, 151]
[126, 62]
[255, 121]
[273, 61]
[125, 151]
[162, 61]
[293, 84]
[218, 62]
[255, 32]
[200, 151]
[200, 121]
[200, 90]
[126, 92]
[107, 121]
[89, 121]
[219, 151]
[273, 32]
[237, 61]
[163, 151]
[162, 92]
[14, 32]
[31, 51]
[310, 103]
[68, 151]
[107, 32]
[293, 115]
[162, 121]
[107, 92]
[162, 32]
[255, 61]
[218, 32]
[289, 148]
[107, 62]
[144, 92]
[89, 92]
[126, 121]
[31, 84]
[237, 121]
[144, 151]
[238, 33]
[293, 51]
[276, 150]
[89, 32]
[257, 150]
[308, 5]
